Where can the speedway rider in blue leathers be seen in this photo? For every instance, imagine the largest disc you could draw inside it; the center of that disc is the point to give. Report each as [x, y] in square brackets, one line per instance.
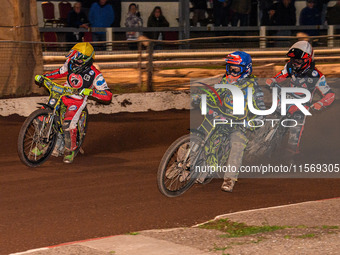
[238, 73]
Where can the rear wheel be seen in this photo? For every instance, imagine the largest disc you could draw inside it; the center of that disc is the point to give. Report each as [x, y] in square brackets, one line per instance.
[264, 141]
[34, 147]
[176, 173]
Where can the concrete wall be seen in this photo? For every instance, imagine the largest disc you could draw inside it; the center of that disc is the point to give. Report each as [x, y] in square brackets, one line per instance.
[134, 102]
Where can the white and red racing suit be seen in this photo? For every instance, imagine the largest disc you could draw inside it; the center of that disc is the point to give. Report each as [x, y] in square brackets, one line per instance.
[313, 80]
[90, 78]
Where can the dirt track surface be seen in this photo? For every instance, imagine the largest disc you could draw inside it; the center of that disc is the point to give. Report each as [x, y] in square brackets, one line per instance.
[112, 188]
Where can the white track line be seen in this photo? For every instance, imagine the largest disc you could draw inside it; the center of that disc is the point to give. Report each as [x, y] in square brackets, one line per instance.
[170, 229]
[29, 251]
[223, 216]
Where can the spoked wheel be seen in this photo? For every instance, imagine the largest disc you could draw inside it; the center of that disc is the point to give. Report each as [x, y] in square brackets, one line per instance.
[264, 141]
[176, 173]
[34, 147]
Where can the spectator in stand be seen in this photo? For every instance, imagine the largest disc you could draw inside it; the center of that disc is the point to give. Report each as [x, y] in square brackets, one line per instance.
[310, 16]
[221, 10]
[117, 8]
[86, 5]
[133, 19]
[156, 19]
[285, 15]
[199, 8]
[254, 14]
[271, 21]
[333, 15]
[241, 10]
[264, 7]
[321, 6]
[76, 18]
[101, 15]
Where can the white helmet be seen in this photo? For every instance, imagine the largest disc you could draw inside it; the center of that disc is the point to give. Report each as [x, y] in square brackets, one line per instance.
[301, 56]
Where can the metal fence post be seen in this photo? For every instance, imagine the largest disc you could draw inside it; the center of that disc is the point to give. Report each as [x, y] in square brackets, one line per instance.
[184, 19]
[140, 77]
[263, 38]
[330, 33]
[109, 38]
[187, 19]
[149, 67]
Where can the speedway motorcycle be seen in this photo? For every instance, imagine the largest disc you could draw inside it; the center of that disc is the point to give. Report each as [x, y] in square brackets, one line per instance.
[267, 139]
[177, 169]
[209, 145]
[187, 159]
[41, 135]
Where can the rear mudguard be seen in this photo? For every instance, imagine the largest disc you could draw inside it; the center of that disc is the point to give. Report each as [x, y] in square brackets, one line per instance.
[46, 106]
[197, 132]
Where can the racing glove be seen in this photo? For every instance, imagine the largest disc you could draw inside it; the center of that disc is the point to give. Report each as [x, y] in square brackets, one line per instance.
[270, 82]
[86, 92]
[39, 79]
[195, 99]
[317, 106]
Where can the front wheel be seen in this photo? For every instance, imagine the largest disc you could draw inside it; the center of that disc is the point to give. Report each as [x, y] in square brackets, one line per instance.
[37, 138]
[176, 173]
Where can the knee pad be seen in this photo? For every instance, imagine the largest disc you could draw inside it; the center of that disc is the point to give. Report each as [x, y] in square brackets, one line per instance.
[236, 154]
[238, 137]
[70, 136]
[238, 146]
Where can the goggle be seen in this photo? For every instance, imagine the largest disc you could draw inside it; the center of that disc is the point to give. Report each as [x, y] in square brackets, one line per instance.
[233, 69]
[297, 54]
[75, 55]
[297, 61]
[78, 62]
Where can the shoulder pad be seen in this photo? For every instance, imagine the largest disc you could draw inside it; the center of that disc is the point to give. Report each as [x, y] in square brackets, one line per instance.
[313, 73]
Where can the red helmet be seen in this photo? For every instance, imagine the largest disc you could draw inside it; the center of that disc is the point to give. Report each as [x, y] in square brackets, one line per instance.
[301, 56]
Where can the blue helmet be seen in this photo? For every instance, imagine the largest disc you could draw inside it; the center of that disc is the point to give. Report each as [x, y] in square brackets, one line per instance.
[242, 60]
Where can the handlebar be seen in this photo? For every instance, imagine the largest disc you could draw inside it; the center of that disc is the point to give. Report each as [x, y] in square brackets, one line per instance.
[273, 84]
[55, 87]
[276, 85]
